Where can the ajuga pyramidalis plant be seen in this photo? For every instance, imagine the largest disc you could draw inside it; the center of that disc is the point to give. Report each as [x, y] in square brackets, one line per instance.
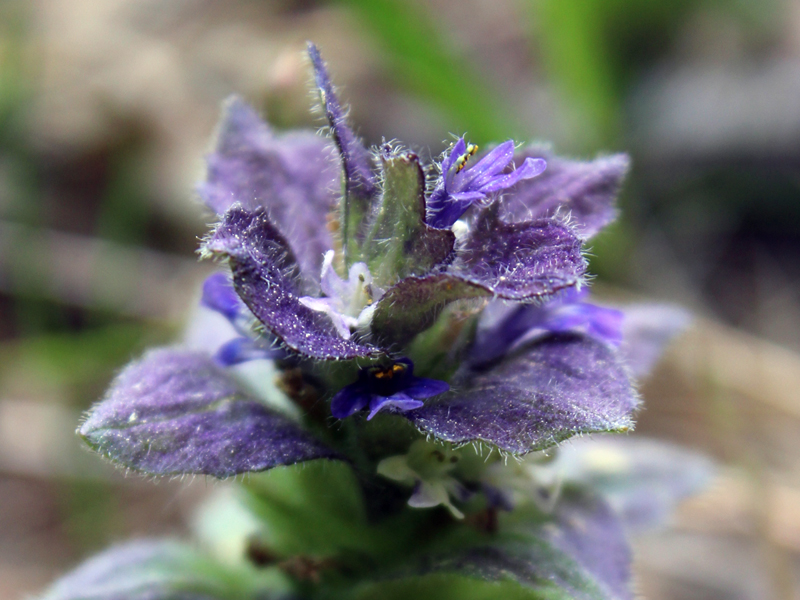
[430, 344]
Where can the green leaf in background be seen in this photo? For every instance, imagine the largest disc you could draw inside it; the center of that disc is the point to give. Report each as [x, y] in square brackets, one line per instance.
[425, 65]
[571, 39]
[67, 359]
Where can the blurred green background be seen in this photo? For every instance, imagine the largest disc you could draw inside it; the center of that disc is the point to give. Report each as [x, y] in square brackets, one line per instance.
[106, 109]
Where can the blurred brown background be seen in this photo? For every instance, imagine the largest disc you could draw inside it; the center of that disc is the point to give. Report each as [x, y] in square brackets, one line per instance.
[106, 108]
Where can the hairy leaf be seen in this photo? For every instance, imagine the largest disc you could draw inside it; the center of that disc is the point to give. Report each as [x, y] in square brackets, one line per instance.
[561, 386]
[522, 261]
[399, 243]
[577, 553]
[586, 190]
[175, 412]
[359, 182]
[294, 176]
[265, 277]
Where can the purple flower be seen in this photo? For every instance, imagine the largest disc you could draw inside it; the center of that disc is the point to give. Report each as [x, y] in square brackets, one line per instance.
[504, 328]
[219, 296]
[552, 390]
[394, 386]
[460, 186]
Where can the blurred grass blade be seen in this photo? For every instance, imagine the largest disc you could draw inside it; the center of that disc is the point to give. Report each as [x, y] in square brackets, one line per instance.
[421, 60]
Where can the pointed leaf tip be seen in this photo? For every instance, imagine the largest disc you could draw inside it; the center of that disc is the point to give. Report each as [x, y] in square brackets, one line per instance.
[359, 178]
[360, 185]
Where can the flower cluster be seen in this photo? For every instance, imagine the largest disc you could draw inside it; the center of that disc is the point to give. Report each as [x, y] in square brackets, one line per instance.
[431, 325]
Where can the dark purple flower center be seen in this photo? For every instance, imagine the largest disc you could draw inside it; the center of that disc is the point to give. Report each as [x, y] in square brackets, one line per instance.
[380, 387]
[386, 381]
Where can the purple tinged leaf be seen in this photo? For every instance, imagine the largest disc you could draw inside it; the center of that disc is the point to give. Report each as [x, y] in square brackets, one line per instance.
[503, 328]
[643, 479]
[294, 176]
[413, 304]
[359, 181]
[590, 533]
[587, 190]
[561, 386]
[149, 570]
[356, 160]
[522, 261]
[265, 277]
[582, 550]
[459, 186]
[647, 330]
[174, 412]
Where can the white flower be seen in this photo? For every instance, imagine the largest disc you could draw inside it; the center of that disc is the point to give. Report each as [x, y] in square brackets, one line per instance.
[349, 304]
[427, 467]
